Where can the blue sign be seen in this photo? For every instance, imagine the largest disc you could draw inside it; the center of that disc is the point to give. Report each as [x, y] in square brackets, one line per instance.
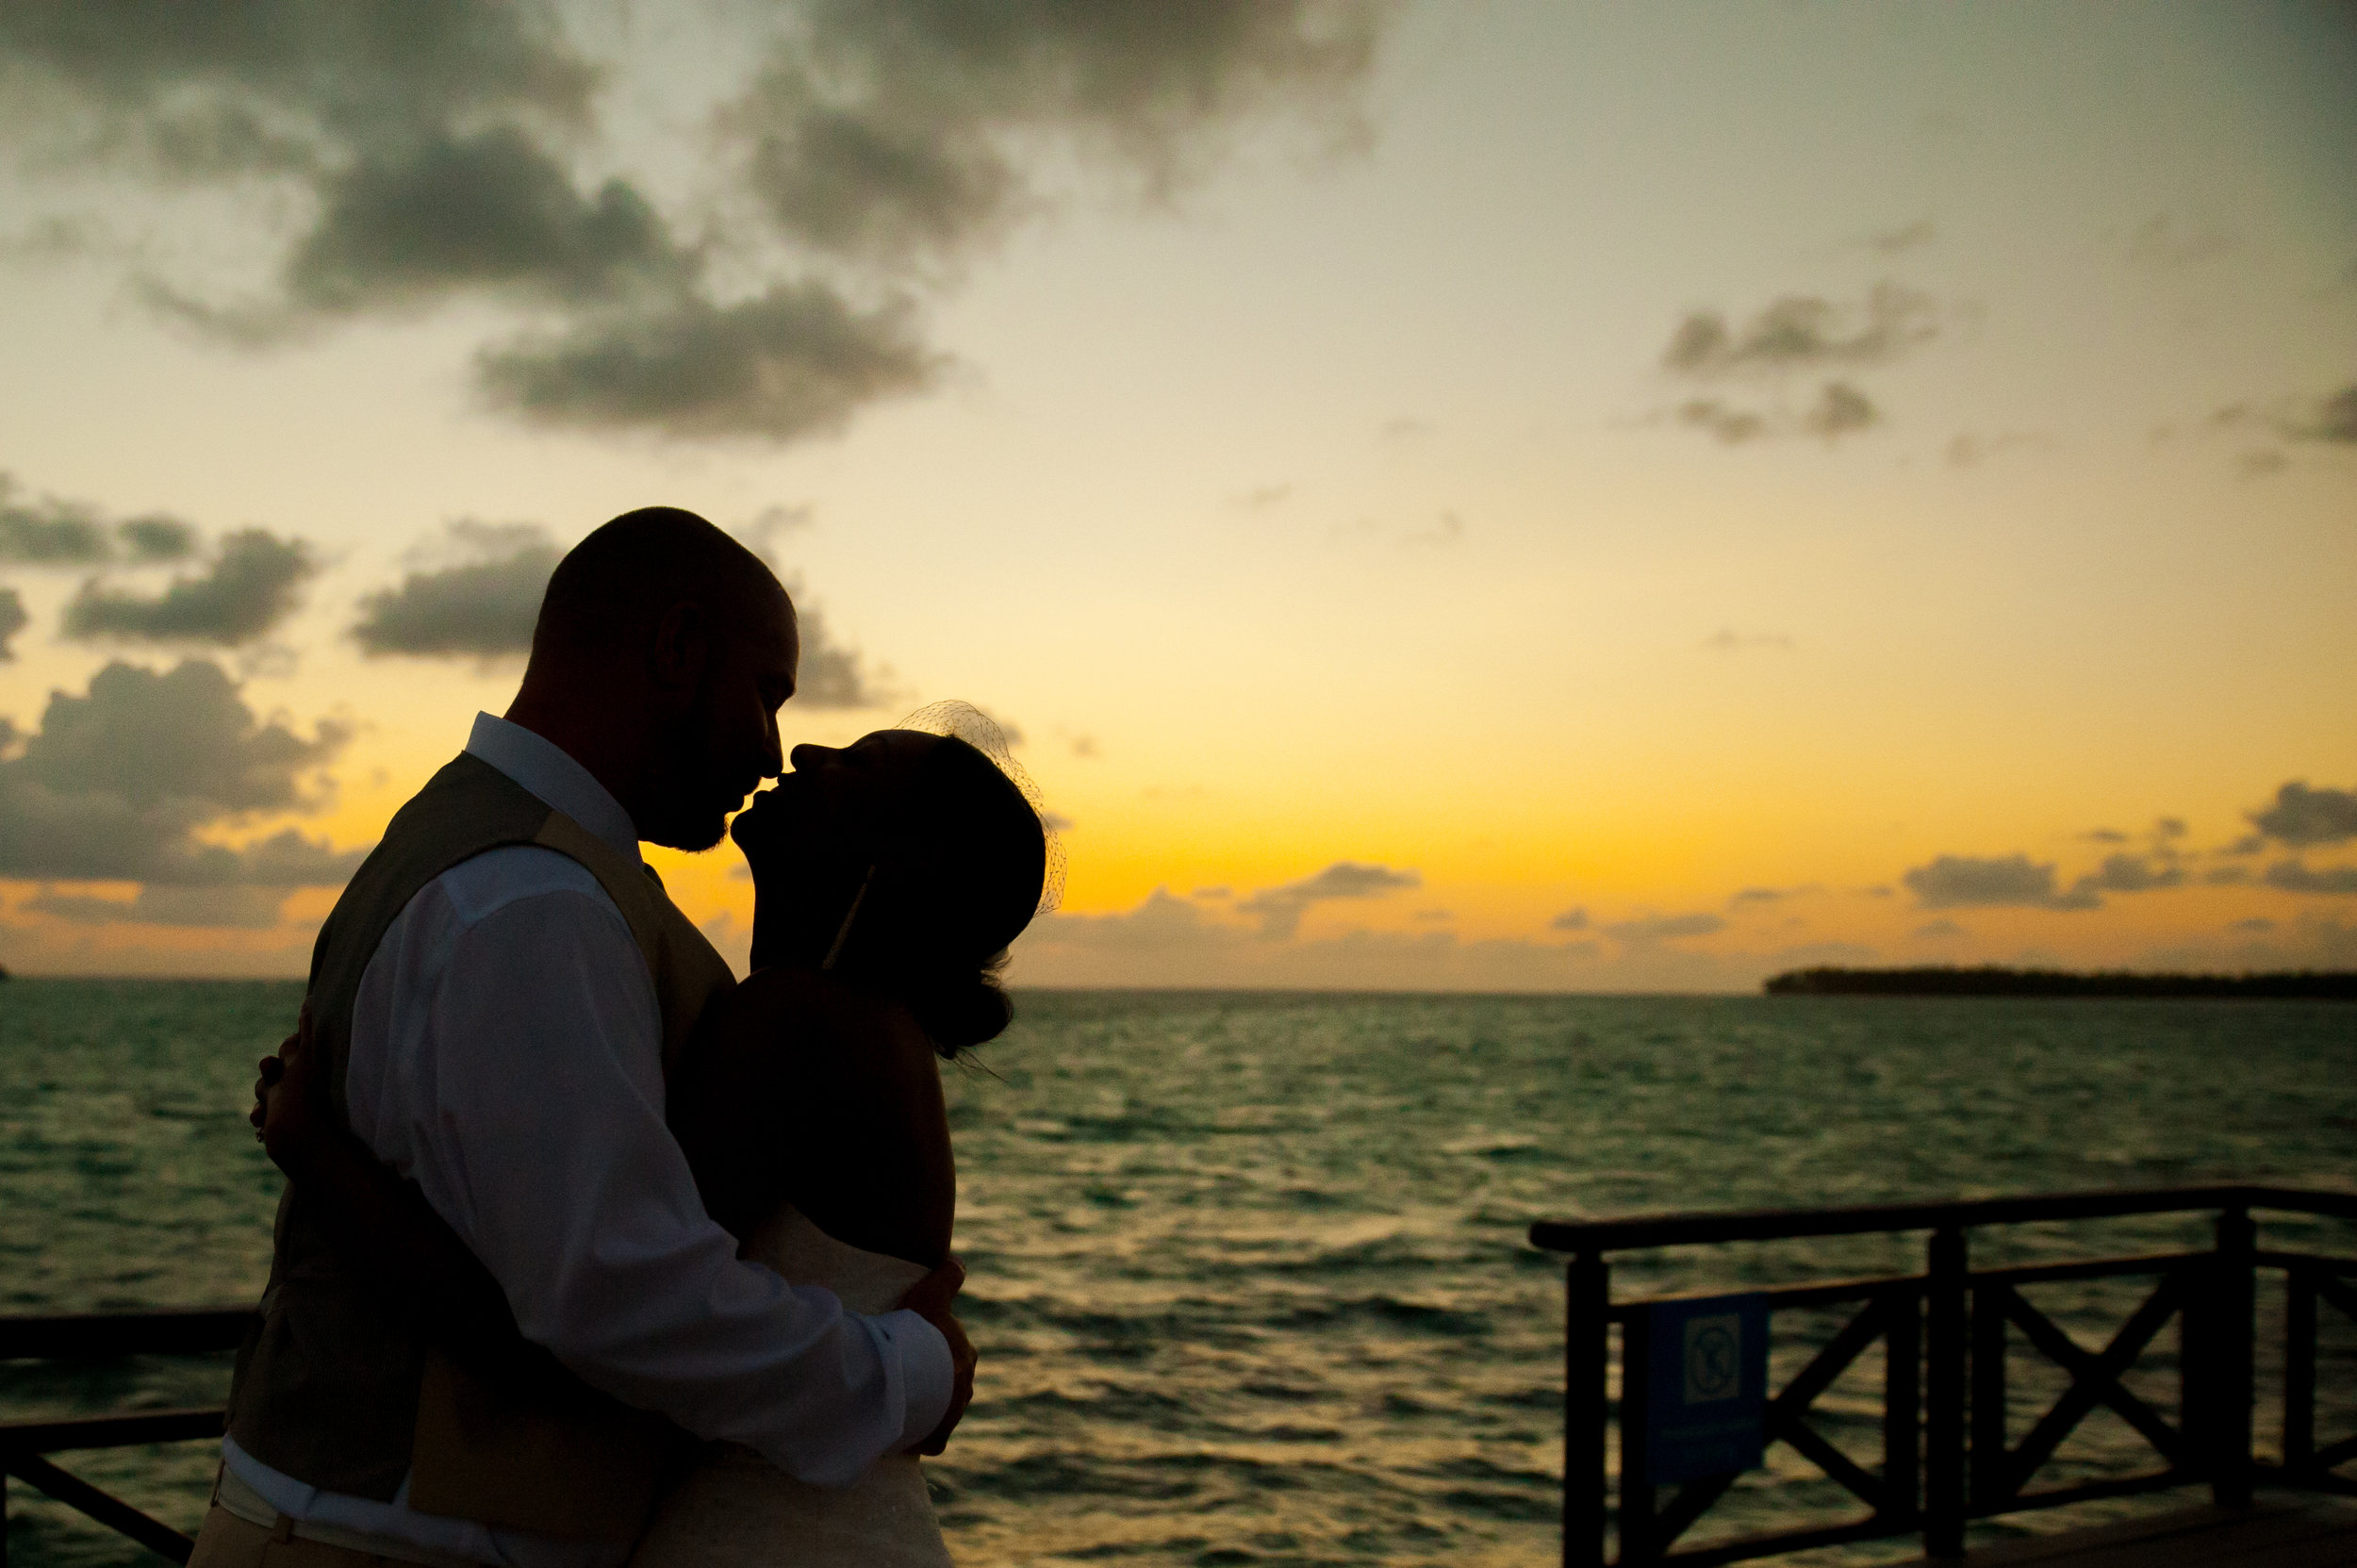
[1706, 1386]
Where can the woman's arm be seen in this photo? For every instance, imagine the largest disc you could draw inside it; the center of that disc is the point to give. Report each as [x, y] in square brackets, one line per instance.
[800, 1089]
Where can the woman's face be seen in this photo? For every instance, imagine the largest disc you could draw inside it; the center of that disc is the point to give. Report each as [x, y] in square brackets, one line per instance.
[833, 804]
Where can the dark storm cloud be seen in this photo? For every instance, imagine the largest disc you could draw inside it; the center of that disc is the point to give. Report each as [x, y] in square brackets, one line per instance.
[2301, 816]
[12, 619]
[248, 589]
[1280, 908]
[483, 607]
[900, 130]
[798, 361]
[1804, 333]
[1666, 928]
[116, 785]
[1963, 881]
[2294, 876]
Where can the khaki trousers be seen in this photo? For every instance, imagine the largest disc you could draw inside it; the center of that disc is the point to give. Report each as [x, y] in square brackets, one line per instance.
[229, 1542]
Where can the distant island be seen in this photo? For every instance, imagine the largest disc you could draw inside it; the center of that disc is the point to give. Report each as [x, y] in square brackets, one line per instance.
[2304, 984]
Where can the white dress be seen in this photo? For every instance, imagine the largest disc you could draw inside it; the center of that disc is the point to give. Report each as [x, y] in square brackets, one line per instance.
[734, 1509]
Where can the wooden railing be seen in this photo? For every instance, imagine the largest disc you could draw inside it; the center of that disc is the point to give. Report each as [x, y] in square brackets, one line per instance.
[1949, 1451]
[26, 1444]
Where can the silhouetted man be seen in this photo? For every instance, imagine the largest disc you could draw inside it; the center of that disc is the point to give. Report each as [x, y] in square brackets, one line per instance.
[495, 1001]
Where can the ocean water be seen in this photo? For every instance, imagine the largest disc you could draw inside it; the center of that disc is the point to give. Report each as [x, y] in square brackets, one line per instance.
[1248, 1275]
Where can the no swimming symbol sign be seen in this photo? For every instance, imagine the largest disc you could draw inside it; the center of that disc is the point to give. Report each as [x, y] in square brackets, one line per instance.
[1706, 1386]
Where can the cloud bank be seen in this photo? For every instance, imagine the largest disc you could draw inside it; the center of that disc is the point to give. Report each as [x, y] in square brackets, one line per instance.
[250, 586]
[119, 786]
[436, 151]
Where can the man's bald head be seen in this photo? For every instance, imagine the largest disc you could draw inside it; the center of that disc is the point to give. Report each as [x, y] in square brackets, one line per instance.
[611, 588]
[662, 653]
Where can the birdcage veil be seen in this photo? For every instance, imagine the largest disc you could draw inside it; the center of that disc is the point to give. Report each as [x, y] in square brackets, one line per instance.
[965, 722]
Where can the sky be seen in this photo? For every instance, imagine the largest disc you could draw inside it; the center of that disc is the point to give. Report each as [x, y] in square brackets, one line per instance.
[1449, 496]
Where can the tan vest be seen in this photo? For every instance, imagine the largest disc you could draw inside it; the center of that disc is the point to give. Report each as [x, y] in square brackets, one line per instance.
[338, 1388]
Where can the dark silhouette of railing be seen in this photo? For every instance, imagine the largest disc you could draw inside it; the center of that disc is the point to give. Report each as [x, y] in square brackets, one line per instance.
[24, 1444]
[1949, 1453]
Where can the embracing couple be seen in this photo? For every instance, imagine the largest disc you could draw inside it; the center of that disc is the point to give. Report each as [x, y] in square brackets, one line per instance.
[589, 1255]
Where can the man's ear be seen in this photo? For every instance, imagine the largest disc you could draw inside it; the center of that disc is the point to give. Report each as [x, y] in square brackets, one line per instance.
[682, 646]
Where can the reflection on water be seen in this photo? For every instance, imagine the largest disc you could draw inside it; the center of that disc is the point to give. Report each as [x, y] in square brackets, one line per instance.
[1247, 1271]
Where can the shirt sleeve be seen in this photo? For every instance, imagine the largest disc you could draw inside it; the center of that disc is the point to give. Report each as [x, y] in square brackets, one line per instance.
[520, 1086]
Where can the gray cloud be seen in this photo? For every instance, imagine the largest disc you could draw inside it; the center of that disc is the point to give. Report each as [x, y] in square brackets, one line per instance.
[2294, 876]
[491, 209]
[1840, 409]
[1906, 238]
[47, 532]
[12, 619]
[482, 607]
[1729, 423]
[1804, 332]
[2336, 419]
[432, 151]
[834, 676]
[1960, 881]
[1969, 449]
[1280, 908]
[895, 130]
[249, 588]
[1940, 930]
[117, 785]
[250, 907]
[798, 361]
[2127, 874]
[1666, 928]
[1571, 919]
[2301, 816]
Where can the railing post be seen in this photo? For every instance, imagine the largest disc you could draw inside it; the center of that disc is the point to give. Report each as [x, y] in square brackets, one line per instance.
[2232, 1331]
[1587, 1349]
[1945, 1352]
[1902, 1406]
[1991, 1483]
[1639, 1532]
[2299, 1373]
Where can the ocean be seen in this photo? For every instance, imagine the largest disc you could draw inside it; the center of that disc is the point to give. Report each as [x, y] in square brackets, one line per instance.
[1248, 1274]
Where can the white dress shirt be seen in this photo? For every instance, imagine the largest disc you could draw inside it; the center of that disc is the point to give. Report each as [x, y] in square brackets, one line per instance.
[507, 1056]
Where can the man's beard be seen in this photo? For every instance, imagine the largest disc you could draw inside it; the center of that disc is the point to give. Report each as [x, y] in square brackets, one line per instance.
[690, 815]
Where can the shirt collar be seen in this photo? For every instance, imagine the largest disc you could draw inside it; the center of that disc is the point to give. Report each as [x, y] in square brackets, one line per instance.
[548, 771]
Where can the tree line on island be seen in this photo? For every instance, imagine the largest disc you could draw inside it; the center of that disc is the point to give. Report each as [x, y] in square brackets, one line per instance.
[1994, 981]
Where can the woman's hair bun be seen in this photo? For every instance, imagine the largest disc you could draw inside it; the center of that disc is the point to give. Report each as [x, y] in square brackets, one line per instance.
[959, 1011]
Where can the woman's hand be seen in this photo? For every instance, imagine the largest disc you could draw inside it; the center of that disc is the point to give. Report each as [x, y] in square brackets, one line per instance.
[289, 1113]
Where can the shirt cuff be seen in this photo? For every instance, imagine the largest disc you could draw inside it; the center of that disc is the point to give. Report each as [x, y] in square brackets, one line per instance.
[927, 1374]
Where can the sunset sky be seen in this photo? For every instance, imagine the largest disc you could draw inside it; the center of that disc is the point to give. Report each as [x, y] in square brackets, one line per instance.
[1459, 495]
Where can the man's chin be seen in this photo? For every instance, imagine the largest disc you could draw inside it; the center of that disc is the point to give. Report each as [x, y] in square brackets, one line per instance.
[693, 836]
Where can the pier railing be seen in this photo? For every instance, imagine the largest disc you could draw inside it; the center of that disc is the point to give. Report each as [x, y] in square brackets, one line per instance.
[25, 1446]
[1948, 1452]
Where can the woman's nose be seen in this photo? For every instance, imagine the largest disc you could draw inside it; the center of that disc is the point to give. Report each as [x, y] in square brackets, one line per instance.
[806, 756]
